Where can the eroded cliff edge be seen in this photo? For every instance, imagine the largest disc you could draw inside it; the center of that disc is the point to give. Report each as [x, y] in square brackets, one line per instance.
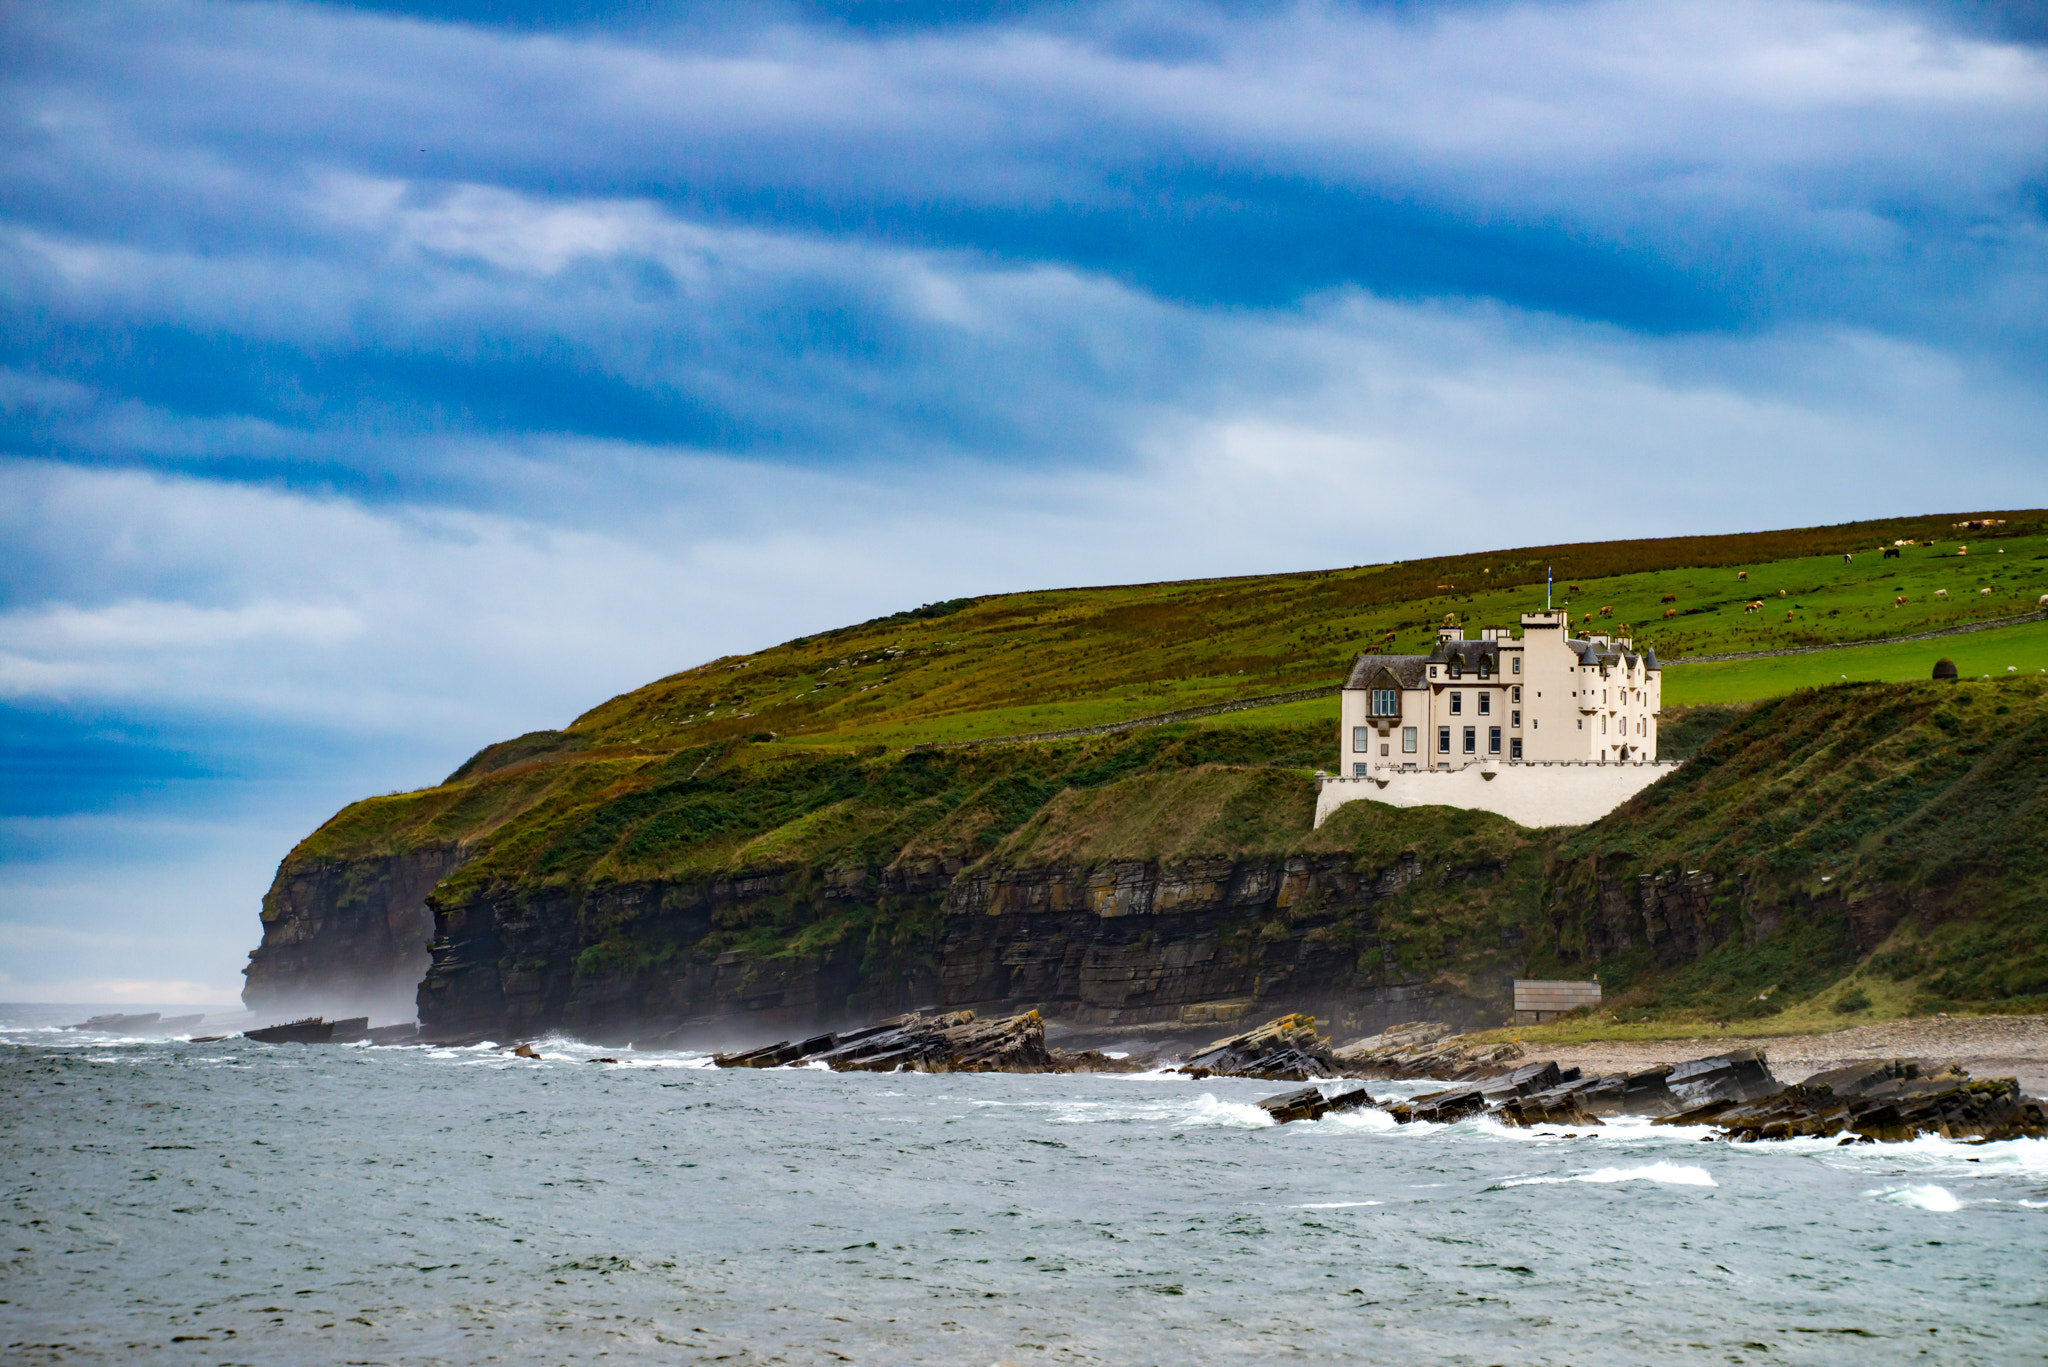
[1827, 847]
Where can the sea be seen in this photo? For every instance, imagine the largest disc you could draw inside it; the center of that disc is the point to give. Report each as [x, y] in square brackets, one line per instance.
[232, 1202]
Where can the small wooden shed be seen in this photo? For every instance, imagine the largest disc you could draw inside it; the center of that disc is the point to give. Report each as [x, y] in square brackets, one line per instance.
[1539, 999]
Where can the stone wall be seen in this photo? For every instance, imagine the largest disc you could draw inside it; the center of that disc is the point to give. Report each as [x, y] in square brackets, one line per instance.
[1528, 794]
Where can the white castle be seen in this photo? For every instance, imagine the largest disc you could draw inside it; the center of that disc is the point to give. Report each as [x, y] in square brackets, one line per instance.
[1545, 729]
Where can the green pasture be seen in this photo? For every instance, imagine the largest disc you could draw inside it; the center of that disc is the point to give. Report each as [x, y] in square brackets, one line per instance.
[1999, 653]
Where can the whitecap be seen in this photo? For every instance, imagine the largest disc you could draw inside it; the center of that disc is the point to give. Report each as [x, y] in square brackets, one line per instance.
[1337, 1205]
[1231, 1114]
[1668, 1174]
[1929, 1197]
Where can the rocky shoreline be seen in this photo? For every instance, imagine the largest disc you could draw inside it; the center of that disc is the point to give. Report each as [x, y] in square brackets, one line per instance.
[1735, 1094]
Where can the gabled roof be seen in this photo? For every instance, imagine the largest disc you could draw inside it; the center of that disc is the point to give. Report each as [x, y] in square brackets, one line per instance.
[1468, 654]
[1410, 671]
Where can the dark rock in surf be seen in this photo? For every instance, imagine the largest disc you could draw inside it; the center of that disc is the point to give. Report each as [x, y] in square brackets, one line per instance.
[956, 1042]
[1740, 1076]
[311, 1030]
[1887, 1101]
[119, 1024]
[1310, 1104]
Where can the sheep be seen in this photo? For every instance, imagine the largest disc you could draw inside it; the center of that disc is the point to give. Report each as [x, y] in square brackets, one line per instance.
[2043, 603]
[1781, 593]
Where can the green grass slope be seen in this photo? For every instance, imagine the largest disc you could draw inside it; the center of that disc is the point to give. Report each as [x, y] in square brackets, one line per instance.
[1017, 663]
[1871, 850]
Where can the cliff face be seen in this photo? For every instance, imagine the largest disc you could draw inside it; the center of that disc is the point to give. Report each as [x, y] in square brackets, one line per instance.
[347, 935]
[1135, 942]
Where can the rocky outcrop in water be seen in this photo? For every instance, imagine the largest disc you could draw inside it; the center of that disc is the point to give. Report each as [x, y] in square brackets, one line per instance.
[1311, 1104]
[1887, 1101]
[953, 1042]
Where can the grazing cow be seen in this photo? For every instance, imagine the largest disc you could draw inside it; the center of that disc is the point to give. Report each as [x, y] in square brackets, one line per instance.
[1846, 557]
[1742, 574]
[1941, 593]
[1900, 601]
[1669, 598]
[1573, 588]
[1788, 614]
[1607, 611]
[2044, 601]
[1984, 593]
[1671, 612]
[1781, 593]
[1891, 552]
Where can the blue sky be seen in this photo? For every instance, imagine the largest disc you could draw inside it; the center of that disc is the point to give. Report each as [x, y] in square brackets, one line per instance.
[378, 381]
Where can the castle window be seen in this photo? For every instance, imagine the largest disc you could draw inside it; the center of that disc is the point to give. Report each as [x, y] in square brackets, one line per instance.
[1443, 739]
[1386, 702]
[1471, 740]
[1457, 666]
[1517, 693]
[1407, 740]
[1361, 738]
[1457, 702]
[1518, 664]
[1486, 704]
[1493, 740]
[1515, 718]
[1515, 748]
[1358, 771]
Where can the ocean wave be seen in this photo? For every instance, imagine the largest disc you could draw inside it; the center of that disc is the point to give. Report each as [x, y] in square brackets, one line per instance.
[1240, 1115]
[1666, 1174]
[1337, 1205]
[1928, 1197]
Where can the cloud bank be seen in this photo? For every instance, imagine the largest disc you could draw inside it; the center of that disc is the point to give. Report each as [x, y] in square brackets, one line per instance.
[377, 382]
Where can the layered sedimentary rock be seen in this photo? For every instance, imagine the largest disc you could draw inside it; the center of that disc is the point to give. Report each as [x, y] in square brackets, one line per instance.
[954, 1042]
[340, 934]
[1130, 943]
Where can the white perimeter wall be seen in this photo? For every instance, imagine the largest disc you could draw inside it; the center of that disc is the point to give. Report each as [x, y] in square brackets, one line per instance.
[1562, 794]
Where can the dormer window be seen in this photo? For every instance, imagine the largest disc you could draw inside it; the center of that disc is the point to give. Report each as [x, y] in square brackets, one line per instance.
[1484, 667]
[1386, 702]
[1456, 666]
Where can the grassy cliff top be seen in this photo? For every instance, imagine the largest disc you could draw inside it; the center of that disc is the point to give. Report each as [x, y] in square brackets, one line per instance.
[793, 755]
[1026, 662]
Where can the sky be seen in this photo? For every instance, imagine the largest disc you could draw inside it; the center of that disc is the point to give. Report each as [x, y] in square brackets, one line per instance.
[381, 380]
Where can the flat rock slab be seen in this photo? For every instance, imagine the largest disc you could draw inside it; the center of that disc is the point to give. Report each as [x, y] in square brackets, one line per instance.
[1310, 1104]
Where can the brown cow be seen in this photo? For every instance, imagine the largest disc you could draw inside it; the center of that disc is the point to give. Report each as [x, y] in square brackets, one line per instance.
[1742, 574]
[1900, 601]
[1671, 612]
[1669, 598]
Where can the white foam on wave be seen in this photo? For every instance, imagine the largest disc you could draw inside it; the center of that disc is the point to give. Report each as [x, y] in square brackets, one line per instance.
[1337, 1205]
[1929, 1197]
[1238, 1115]
[1364, 1118]
[1666, 1174]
